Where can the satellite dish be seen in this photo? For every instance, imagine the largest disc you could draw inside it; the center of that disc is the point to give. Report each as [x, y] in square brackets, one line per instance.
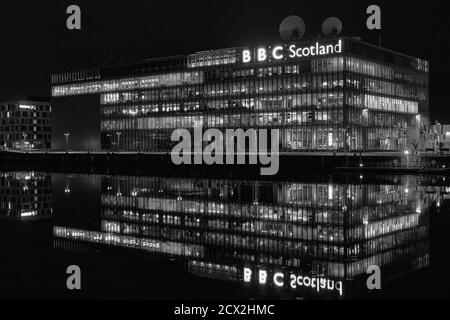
[292, 28]
[331, 27]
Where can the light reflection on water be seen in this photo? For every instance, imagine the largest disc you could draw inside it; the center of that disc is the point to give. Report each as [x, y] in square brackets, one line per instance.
[262, 235]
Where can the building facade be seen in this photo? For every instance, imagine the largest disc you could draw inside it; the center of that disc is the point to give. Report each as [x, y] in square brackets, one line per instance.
[323, 94]
[25, 125]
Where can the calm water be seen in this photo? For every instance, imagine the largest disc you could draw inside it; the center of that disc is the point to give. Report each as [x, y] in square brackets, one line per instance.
[151, 237]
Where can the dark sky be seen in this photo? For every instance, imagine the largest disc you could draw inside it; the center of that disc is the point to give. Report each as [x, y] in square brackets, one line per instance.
[36, 43]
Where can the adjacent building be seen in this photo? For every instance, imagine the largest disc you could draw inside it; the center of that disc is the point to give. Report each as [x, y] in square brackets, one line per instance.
[25, 125]
[322, 94]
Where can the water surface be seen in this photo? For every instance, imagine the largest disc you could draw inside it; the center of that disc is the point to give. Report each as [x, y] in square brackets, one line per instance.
[197, 237]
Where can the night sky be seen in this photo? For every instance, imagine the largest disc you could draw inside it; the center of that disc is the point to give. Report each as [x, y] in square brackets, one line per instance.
[36, 43]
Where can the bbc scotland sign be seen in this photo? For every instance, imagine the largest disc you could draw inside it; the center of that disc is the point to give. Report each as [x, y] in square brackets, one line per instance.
[291, 51]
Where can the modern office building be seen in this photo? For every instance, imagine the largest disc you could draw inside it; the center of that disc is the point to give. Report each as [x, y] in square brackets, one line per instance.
[25, 125]
[226, 229]
[322, 94]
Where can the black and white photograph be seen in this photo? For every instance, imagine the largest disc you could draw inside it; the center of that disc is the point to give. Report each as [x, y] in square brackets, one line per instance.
[224, 158]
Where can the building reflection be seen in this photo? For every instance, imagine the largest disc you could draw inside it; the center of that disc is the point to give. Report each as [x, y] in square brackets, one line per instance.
[308, 238]
[26, 195]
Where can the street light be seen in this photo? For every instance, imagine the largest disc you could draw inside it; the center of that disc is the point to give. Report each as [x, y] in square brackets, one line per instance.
[407, 158]
[24, 135]
[67, 140]
[118, 139]
[418, 119]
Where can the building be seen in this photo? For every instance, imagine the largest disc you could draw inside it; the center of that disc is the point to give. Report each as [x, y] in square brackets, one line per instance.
[439, 137]
[25, 125]
[322, 94]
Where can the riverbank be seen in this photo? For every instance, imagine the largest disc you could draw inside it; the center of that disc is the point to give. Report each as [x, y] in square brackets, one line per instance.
[376, 162]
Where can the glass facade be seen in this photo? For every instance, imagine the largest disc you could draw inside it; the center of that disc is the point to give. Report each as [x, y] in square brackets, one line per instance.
[362, 98]
[25, 125]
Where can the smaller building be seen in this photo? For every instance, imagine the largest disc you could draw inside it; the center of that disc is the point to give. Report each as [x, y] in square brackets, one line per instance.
[25, 125]
[441, 134]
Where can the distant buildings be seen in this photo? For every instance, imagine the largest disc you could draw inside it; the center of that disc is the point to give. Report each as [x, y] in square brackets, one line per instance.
[25, 125]
[438, 137]
[322, 94]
